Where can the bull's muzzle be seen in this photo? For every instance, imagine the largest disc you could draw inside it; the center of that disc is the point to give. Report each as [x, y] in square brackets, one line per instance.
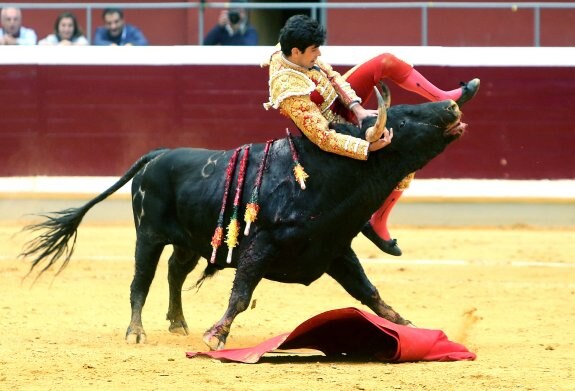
[457, 128]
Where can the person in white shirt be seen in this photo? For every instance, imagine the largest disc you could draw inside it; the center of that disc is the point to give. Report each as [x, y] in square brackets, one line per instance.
[12, 32]
[67, 31]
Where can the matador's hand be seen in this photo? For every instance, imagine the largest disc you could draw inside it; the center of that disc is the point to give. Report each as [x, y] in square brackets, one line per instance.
[362, 113]
[384, 141]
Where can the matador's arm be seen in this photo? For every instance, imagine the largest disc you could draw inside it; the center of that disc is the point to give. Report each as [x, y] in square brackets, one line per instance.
[343, 89]
[312, 123]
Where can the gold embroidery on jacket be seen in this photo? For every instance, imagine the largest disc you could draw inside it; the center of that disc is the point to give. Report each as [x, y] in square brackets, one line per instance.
[340, 86]
[285, 83]
[405, 182]
[290, 89]
[309, 120]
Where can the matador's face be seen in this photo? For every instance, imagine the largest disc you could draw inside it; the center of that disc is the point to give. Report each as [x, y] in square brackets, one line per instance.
[307, 58]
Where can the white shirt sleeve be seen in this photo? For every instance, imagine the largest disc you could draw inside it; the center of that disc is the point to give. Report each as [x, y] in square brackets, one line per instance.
[27, 36]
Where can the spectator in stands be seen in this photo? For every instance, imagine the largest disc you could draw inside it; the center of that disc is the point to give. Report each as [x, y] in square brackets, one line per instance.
[66, 32]
[12, 32]
[313, 95]
[116, 32]
[232, 29]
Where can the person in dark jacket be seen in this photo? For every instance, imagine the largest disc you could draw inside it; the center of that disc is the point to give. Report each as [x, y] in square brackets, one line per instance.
[232, 29]
[116, 32]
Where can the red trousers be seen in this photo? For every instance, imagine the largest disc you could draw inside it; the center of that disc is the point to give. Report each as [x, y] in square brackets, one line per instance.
[365, 76]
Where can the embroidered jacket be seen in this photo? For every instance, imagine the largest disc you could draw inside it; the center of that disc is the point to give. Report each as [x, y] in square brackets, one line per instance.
[308, 97]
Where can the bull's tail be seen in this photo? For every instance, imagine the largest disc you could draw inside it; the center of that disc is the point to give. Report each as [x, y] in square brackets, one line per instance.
[209, 272]
[62, 226]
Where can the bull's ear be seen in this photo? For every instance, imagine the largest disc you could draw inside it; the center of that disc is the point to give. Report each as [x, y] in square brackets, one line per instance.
[374, 132]
[385, 93]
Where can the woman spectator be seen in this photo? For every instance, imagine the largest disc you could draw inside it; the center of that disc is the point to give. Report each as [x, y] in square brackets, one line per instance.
[66, 32]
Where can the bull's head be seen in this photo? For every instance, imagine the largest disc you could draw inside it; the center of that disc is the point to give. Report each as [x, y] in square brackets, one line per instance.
[443, 115]
[446, 112]
[420, 132]
[428, 117]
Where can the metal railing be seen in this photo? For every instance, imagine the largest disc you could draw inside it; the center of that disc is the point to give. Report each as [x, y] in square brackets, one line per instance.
[315, 10]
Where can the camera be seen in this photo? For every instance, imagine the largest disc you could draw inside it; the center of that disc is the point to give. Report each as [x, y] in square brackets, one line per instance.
[234, 16]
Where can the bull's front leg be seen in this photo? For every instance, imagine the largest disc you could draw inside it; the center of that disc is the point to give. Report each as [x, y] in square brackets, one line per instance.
[349, 273]
[248, 274]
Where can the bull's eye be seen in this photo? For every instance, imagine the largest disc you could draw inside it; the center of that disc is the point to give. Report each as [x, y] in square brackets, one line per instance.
[402, 124]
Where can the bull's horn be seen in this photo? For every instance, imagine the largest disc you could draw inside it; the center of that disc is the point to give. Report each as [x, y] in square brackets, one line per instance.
[374, 132]
[385, 93]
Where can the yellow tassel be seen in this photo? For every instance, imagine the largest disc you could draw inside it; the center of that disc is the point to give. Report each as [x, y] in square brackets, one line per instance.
[300, 175]
[232, 238]
[251, 212]
[233, 232]
[250, 216]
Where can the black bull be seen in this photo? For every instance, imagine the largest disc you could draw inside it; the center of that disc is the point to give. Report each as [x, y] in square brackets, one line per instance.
[299, 234]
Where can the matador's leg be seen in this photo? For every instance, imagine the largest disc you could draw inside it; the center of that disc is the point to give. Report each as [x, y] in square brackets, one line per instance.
[362, 79]
[364, 76]
[376, 229]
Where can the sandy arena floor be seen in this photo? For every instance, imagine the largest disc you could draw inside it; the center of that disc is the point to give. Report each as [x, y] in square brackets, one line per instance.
[506, 293]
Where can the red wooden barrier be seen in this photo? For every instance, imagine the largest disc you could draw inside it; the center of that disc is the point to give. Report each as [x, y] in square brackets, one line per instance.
[105, 108]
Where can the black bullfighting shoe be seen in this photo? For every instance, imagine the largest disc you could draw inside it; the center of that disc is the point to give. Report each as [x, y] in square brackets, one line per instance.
[387, 246]
[469, 91]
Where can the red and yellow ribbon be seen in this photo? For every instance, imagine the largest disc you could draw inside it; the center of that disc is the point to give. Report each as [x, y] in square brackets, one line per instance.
[252, 208]
[299, 172]
[219, 232]
[234, 225]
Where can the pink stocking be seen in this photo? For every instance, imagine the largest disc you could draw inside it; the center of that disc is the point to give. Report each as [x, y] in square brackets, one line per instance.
[415, 82]
[379, 219]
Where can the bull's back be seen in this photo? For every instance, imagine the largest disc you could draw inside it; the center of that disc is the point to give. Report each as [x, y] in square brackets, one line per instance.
[157, 190]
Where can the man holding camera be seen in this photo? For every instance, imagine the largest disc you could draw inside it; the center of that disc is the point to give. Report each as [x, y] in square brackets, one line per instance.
[232, 29]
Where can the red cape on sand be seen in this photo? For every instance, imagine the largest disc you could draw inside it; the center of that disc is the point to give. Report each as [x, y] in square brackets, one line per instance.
[354, 333]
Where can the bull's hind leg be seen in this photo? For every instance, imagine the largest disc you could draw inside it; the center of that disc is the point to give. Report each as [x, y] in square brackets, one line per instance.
[147, 257]
[347, 270]
[181, 263]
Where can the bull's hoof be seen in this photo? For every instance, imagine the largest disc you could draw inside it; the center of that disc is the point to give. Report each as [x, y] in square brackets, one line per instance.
[135, 336]
[469, 90]
[180, 328]
[213, 340]
[387, 246]
[214, 343]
